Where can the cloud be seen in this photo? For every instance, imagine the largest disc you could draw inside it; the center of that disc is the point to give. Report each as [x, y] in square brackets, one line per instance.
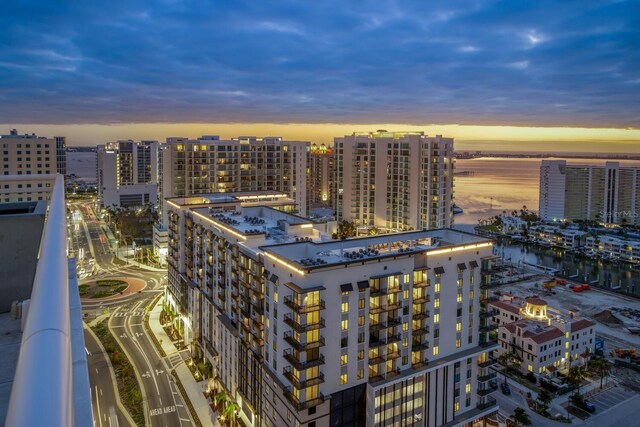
[373, 61]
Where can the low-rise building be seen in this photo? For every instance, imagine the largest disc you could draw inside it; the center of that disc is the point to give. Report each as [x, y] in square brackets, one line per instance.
[614, 248]
[303, 330]
[567, 238]
[545, 339]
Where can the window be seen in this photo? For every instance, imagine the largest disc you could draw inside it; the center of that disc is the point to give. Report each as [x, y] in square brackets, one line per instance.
[459, 298]
[361, 303]
[360, 374]
[360, 320]
[458, 327]
[436, 350]
[458, 344]
[345, 324]
[468, 388]
[437, 287]
[436, 302]
[436, 318]
[345, 307]
[361, 355]
[343, 379]
[456, 406]
[344, 359]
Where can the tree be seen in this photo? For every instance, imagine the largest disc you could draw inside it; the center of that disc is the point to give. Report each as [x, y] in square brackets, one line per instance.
[510, 361]
[520, 418]
[601, 367]
[346, 229]
[576, 399]
[220, 398]
[544, 398]
[230, 411]
[576, 375]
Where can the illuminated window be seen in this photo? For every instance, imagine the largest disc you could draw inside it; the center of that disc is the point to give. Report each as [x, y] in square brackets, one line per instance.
[360, 320]
[345, 324]
[456, 406]
[436, 318]
[468, 388]
[458, 326]
[458, 344]
[436, 302]
[360, 374]
[459, 283]
[343, 379]
[459, 299]
[405, 327]
[436, 350]
[361, 303]
[530, 368]
[437, 287]
[360, 354]
[345, 307]
[344, 359]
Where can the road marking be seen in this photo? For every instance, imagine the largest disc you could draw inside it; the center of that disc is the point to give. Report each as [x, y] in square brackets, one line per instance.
[164, 410]
[98, 404]
[100, 392]
[96, 370]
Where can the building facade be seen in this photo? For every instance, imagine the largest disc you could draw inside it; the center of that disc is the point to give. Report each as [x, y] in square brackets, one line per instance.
[244, 164]
[321, 190]
[614, 248]
[603, 193]
[30, 154]
[545, 340]
[302, 330]
[394, 181]
[127, 173]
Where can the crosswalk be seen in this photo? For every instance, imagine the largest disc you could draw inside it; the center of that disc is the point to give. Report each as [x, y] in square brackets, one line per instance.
[129, 313]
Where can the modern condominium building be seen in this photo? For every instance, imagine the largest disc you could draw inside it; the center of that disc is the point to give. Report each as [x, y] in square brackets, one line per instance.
[30, 154]
[302, 330]
[607, 194]
[127, 173]
[247, 163]
[321, 191]
[395, 180]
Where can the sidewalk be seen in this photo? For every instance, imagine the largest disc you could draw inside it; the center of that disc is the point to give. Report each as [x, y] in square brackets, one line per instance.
[193, 389]
[119, 253]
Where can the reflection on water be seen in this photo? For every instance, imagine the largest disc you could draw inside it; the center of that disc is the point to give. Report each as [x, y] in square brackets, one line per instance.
[82, 164]
[487, 186]
[619, 277]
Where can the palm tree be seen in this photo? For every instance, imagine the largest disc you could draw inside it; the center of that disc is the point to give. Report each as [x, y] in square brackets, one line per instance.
[602, 367]
[520, 418]
[544, 398]
[576, 375]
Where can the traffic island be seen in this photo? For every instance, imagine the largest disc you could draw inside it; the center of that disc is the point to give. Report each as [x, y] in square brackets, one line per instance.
[126, 381]
[109, 289]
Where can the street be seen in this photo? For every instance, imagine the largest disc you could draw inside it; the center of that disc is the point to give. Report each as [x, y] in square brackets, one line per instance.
[164, 405]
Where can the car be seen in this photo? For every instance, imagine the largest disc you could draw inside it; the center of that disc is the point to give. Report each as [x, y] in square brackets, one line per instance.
[588, 406]
[506, 390]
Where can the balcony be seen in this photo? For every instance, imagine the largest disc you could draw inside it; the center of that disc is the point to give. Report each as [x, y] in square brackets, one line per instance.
[488, 343]
[393, 321]
[489, 362]
[420, 315]
[301, 366]
[422, 284]
[488, 377]
[488, 403]
[295, 381]
[303, 308]
[382, 291]
[488, 313]
[488, 328]
[486, 390]
[305, 327]
[419, 345]
[420, 331]
[300, 405]
[422, 299]
[300, 346]
[393, 338]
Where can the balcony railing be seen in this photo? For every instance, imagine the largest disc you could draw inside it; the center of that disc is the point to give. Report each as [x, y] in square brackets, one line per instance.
[489, 362]
[303, 308]
[45, 379]
[300, 346]
[304, 327]
[297, 383]
[488, 328]
[488, 403]
[488, 377]
[300, 366]
[486, 390]
[300, 405]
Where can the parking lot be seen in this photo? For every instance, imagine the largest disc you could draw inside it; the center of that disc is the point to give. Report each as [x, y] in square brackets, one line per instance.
[610, 398]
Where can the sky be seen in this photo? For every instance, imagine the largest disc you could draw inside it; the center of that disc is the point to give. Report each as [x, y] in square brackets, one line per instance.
[493, 74]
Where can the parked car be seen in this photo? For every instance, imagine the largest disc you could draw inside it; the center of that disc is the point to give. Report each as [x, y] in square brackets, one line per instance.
[588, 406]
[505, 388]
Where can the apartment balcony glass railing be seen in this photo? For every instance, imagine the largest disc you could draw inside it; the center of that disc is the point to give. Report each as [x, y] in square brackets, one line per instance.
[300, 365]
[300, 405]
[303, 327]
[303, 308]
[303, 346]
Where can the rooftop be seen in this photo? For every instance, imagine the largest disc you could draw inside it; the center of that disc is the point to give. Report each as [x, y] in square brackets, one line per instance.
[313, 254]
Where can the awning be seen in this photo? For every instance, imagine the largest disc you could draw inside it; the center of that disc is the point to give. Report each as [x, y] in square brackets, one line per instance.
[438, 270]
[364, 284]
[347, 287]
[462, 266]
[473, 264]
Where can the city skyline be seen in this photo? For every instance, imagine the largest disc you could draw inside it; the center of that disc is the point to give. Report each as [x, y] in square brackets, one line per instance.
[473, 71]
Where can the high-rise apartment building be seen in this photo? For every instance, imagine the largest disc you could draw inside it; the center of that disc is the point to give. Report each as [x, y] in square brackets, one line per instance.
[395, 180]
[321, 190]
[30, 154]
[247, 163]
[606, 193]
[127, 173]
[302, 330]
